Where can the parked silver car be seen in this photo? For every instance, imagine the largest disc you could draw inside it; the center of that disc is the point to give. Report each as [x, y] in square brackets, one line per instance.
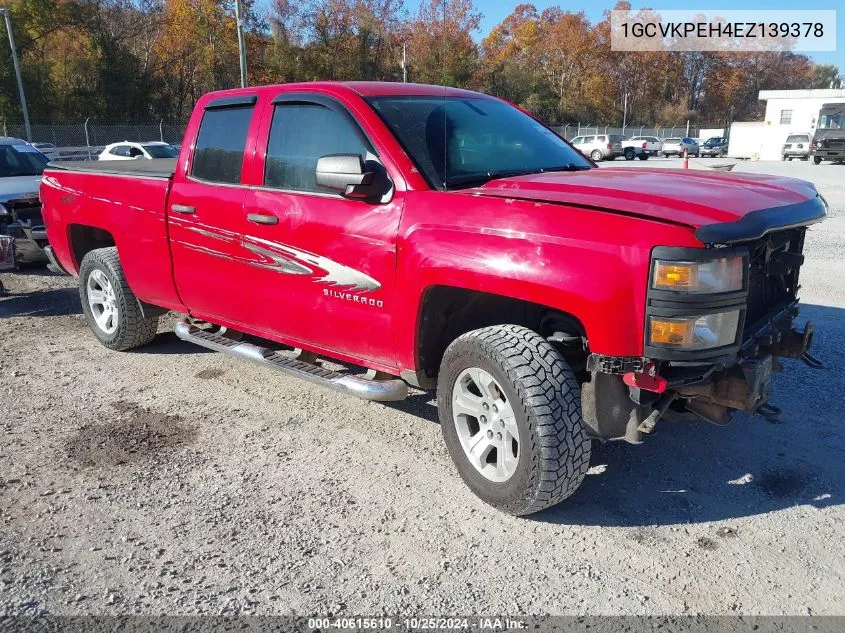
[599, 146]
[796, 146]
[676, 147]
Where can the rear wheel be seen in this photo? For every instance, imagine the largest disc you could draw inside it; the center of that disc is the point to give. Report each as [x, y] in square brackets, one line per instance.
[643, 156]
[630, 153]
[596, 155]
[510, 414]
[112, 310]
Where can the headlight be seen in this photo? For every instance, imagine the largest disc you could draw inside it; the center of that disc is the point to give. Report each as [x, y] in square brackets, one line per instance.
[705, 277]
[694, 333]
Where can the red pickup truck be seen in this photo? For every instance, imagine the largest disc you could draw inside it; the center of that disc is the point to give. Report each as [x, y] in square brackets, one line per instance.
[445, 239]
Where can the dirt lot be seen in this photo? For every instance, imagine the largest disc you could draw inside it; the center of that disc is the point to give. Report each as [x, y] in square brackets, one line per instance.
[171, 480]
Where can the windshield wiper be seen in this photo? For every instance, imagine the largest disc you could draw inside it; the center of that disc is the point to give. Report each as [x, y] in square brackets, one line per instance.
[482, 178]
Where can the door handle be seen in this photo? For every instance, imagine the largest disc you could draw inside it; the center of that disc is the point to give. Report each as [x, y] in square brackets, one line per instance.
[262, 218]
[181, 208]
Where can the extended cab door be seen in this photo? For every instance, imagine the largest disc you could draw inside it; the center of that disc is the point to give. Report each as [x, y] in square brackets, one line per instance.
[323, 265]
[206, 212]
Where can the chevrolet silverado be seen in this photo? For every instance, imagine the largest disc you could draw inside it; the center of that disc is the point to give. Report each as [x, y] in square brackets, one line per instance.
[447, 240]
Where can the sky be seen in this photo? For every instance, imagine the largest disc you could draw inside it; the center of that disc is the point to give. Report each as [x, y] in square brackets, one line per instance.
[497, 10]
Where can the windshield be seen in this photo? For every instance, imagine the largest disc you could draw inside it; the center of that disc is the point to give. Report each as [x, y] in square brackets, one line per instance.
[797, 138]
[832, 120]
[713, 141]
[161, 151]
[464, 141]
[672, 140]
[21, 160]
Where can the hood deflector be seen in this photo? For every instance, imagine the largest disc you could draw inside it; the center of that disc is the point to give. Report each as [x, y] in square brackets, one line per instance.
[756, 224]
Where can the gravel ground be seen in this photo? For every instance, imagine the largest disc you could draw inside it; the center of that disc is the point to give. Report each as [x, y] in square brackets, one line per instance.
[174, 481]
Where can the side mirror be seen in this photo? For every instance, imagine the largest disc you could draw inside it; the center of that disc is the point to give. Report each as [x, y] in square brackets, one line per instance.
[345, 174]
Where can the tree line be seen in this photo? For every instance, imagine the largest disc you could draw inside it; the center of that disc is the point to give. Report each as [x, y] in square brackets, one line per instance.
[150, 60]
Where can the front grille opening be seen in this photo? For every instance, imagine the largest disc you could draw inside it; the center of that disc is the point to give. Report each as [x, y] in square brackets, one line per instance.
[770, 287]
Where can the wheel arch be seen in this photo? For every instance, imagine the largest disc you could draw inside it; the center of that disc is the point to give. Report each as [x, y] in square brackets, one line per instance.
[446, 312]
[84, 238]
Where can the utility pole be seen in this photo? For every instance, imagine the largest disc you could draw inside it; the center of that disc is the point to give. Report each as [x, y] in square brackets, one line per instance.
[625, 114]
[405, 63]
[24, 109]
[241, 44]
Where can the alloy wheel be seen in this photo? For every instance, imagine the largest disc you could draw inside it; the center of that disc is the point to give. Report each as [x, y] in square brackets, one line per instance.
[102, 301]
[486, 424]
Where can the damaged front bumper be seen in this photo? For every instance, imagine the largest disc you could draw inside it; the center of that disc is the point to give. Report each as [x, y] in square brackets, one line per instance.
[746, 386]
[636, 392]
[21, 244]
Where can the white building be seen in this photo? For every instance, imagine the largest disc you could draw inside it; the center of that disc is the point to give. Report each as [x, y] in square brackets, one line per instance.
[787, 112]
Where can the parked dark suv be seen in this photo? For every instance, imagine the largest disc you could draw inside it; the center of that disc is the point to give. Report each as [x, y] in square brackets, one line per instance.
[714, 146]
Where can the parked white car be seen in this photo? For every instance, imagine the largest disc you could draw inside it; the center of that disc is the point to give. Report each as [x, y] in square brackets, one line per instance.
[127, 150]
[676, 146]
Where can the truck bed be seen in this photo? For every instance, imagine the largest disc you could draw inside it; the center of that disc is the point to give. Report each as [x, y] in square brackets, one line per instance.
[116, 202]
[155, 168]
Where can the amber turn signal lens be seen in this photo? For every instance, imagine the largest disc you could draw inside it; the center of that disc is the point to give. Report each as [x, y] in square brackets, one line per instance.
[672, 332]
[724, 274]
[675, 276]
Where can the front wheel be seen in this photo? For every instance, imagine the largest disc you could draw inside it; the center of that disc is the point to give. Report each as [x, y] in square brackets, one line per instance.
[509, 408]
[817, 160]
[112, 310]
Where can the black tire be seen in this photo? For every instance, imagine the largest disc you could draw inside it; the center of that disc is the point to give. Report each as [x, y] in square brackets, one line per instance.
[133, 328]
[630, 153]
[817, 160]
[554, 450]
[643, 156]
[596, 155]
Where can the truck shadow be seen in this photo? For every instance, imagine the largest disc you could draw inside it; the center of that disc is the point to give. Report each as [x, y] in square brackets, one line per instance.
[169, 343]
[40, 303]
[690, 471]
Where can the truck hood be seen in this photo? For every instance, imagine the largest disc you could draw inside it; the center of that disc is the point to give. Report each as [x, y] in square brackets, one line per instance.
[14, 187]
[693, 198]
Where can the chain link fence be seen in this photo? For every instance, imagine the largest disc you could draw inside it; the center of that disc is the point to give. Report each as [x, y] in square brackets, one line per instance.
[84, 140]
[571, 130]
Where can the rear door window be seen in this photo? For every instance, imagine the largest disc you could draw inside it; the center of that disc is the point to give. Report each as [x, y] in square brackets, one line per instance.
[219, 153]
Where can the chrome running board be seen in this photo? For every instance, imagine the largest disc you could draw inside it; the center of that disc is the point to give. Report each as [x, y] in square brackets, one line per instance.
[229, 343]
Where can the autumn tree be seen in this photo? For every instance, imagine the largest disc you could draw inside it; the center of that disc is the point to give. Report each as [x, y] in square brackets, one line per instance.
[440, 42]
[141, 60]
